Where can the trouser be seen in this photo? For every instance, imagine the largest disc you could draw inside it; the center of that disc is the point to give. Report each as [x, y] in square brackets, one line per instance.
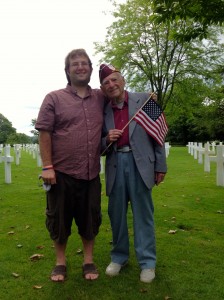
[129, 186]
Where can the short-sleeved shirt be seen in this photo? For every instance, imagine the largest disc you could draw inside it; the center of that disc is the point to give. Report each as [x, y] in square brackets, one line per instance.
[75, 125]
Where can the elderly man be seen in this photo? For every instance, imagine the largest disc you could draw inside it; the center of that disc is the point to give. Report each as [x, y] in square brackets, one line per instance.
[135, 162]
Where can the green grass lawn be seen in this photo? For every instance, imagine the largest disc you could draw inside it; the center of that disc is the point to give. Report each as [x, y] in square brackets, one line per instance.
[189, 262]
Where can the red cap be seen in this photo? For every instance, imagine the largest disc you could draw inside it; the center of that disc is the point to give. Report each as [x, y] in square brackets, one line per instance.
[106, 70]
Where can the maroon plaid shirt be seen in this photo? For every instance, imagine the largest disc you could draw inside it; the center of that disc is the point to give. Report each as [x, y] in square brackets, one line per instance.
[75, 125]
[121, 118]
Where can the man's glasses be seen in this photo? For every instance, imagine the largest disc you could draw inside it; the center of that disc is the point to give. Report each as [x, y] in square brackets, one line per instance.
[80, 64]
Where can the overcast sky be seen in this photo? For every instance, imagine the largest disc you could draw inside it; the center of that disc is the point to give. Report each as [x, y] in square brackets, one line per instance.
[35, 37]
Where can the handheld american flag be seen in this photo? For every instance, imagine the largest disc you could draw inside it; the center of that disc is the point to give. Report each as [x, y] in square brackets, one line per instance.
[152, 119]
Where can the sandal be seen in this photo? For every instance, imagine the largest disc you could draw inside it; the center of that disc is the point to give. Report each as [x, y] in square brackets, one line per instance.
[88, 269]
[59, 270]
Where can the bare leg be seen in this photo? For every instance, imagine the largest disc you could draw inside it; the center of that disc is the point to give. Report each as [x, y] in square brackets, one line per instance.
[60, 259]
[88, 256]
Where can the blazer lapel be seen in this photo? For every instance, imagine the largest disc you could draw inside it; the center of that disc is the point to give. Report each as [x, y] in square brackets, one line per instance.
[108, 117]
[133, 105]
[109, 121]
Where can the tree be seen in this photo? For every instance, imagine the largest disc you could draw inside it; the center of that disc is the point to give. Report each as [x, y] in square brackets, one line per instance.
[214, 115]
[184, 112]
[5, 129]
[201, 14]
[192, 115]
[149, 55]
[19, 138]
[34, 131]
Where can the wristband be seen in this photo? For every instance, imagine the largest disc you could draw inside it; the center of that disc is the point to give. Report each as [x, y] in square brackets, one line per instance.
[47, 168]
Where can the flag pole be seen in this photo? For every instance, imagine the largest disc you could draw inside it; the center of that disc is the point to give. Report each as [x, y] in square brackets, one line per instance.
[126, 125]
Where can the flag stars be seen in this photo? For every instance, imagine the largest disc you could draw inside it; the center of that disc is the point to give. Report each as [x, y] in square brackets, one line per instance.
[152, 109]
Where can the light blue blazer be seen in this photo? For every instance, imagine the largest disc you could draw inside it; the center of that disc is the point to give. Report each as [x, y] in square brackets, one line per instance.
[149, 156]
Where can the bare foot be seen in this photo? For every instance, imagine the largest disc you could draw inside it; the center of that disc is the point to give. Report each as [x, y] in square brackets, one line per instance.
[59, 273]
[90, 271]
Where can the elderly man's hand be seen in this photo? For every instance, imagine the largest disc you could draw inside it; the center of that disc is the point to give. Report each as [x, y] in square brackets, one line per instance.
[159, 177]
[153, 95]
[113, 135]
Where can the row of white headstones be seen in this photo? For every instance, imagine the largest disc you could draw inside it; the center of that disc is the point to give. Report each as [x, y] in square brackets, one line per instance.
[7, 158]
[34, 150]
[209, 152]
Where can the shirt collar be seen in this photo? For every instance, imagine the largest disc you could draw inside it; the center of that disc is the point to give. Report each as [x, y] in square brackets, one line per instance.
[125, 101]
[72, 89]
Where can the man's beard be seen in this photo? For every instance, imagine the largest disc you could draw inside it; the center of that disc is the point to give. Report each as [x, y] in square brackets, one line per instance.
[80, 82]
